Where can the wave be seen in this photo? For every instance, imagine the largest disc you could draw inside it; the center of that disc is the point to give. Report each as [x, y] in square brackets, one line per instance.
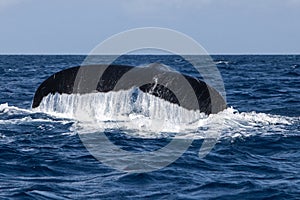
[219, 62]
[10, 110]
[16, 115]
[143, 115]
[139, 114]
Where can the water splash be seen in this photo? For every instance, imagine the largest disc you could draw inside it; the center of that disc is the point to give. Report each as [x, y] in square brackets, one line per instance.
[143, 115]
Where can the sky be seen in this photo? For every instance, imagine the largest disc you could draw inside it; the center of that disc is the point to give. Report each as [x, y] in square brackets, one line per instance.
[220, 26]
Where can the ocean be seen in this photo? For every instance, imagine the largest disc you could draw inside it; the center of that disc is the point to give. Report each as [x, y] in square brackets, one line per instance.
[256, 156]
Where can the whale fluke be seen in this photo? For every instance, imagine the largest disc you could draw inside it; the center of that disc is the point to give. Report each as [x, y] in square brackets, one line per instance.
[155, 80]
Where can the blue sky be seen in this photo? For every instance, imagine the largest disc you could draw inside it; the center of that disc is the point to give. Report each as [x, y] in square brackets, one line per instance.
[220, 26]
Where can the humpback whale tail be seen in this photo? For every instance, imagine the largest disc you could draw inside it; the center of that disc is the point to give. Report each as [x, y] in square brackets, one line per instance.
[183, 90]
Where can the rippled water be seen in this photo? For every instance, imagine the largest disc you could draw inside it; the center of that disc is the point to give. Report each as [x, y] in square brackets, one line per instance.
[256, 156]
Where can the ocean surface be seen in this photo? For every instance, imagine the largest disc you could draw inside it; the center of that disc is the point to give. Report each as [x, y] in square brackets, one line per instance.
[257, 155]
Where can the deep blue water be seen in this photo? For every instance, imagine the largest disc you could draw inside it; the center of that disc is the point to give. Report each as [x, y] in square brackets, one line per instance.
[256, 157]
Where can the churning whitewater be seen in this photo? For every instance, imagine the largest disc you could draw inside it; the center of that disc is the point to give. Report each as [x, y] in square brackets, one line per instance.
[143, 115]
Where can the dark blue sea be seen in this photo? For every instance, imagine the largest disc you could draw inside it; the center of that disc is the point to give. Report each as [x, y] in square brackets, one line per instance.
[257, 154]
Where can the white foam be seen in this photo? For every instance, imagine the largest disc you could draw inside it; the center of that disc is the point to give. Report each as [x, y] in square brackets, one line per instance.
[222, 62]
[24, 115]
[6, 109]
[28, 119]
[244, 124]
[151, 117]
[145, 114]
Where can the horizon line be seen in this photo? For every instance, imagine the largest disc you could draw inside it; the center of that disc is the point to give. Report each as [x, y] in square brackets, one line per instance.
[155, 54]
